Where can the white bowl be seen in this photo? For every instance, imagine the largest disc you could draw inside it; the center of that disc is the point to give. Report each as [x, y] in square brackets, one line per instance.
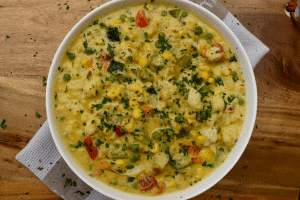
[245, 135]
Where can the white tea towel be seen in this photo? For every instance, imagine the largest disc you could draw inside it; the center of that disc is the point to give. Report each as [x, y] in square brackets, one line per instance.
[42, 158]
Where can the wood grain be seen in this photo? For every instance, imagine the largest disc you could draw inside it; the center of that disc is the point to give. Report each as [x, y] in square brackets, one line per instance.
[36, 29]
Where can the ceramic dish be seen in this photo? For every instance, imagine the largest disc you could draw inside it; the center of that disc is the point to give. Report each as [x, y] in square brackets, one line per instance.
[245, 135]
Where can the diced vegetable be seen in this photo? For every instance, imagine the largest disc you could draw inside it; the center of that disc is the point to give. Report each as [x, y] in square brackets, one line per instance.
[175, 13]
[135, 148]
[118, 156]
[67, 77]
[115, 66]
[198, 30]
[141, 19]
[91, 148]
[159, 188]
[134, 158]
[209, 36]
[181, 162]
[71, 56]
[161, 159]
[113, 34]
[147, 183]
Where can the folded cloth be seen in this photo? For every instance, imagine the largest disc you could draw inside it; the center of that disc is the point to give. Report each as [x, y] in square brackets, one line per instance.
[42, 158]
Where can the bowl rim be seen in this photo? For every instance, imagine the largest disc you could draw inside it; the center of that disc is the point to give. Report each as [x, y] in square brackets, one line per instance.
[63, 152]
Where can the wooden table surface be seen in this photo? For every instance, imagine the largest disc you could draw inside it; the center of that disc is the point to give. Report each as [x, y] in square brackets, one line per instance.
[36, 28]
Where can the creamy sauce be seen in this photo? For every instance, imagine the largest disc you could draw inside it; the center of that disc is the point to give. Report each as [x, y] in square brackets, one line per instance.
[149, 99]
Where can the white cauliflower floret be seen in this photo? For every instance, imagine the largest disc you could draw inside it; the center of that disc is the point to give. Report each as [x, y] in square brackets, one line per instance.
[194, 99]
[217, 103]
[214, 54]
[210, 134]
[229, 135]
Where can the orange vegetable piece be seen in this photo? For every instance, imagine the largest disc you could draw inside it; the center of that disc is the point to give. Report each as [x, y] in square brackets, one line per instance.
[90, 147]
[198, 159]
[147, 110]
[141, 19]
[147, 183]
[160, 188]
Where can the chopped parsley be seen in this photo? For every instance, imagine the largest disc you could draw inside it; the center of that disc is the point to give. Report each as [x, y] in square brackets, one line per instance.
[38, 115]
[3, 125]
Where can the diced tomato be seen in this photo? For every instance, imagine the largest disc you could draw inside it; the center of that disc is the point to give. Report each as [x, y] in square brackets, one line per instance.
[90, 63]
[147, 110]
[90, 147]
[106, 57]
[230, 71]
[147, 183]
[104, 164]
[160, 188]
[141, 19]
[119, 131]
[156, 171]
[198, 159]
[231, 109]
[194, 150]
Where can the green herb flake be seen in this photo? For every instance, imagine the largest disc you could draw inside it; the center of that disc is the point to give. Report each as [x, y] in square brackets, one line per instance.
[79, 192]
[40, 168]
[3, 125]
[38, 115]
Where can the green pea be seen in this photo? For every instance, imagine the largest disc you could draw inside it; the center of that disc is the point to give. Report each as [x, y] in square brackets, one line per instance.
[134, 158]
[135, 185]
[114, 183]
[164, 13]
[67, 77]
[162, 34]
[123, 17]
[198, 30]
[159, 44]
[157, 135]
[209, 36]
[184, 14]
[131, 19]
[241, 102]
[135, 148]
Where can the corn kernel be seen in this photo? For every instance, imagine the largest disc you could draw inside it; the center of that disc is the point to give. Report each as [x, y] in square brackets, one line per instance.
[194, 134]
[166, 55]
[130, 126]
[204, 75]
[117, 21]
[107, 132]
[133, 103]
[146, 95]
[101, 43]
[137, 113]
[207, 154]
[201, 172]
[172, 184]
[134, 36]
[219, 137]
[211, 80]
[148, 47]
[79, 48]
[182, 33]
[113, 92]
[143, 62]
[204, 68]
[155, 148]
[120, 162]
[84, 61]
[135, 87]
[200, 140]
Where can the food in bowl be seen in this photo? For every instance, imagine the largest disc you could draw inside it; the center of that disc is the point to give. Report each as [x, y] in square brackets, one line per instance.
[149, 99]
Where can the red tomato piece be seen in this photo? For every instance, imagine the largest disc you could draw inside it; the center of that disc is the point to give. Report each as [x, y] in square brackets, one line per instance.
[199, 159]
[230, 71]
[90, 63]
[156, 171]
[90, 147]
[160, 188]
[147, 110]
[194, 150]
[141, 19]
[147, 183]
[119, 131]
[105, 56]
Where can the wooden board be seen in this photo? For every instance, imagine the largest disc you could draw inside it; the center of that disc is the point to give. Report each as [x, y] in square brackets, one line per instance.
[36, 29]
